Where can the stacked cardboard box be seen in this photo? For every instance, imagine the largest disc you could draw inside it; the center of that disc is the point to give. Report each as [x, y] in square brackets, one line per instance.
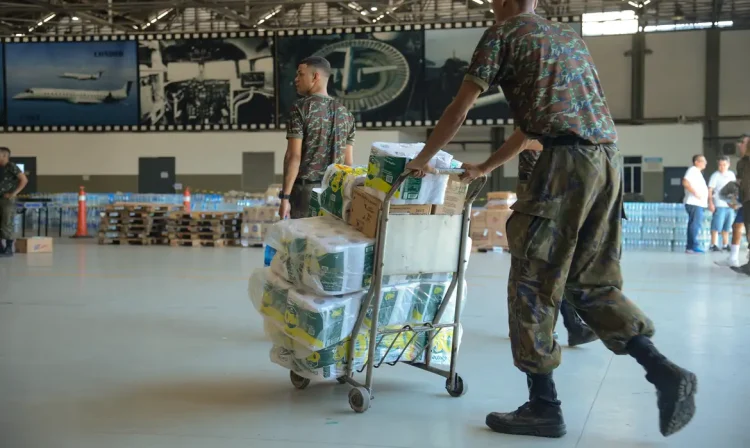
[487, 229]
[255, 223]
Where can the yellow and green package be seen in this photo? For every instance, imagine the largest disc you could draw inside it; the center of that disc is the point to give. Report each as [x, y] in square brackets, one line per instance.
[338, 188]
[388, 161]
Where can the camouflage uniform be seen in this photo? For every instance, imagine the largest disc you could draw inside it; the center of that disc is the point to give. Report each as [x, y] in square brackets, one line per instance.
[326, 127]
[743, 175]
[565, 232]
[8, 183]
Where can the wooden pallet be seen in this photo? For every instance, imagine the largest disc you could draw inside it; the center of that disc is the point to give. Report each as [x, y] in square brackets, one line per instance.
[205, 215]
[128, 235]
[196, 243]
[181, 222]
[160, 241]
[126, 241]
[143, 206]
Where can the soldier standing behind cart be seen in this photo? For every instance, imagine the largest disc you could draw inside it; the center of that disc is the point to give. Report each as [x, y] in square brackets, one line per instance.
[566, 229]
[320, 132]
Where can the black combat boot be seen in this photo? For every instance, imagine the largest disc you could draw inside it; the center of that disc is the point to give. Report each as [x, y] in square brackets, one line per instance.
[578, 332]
[541, 416]
[7, 251]
[675, 386]
[744, 269]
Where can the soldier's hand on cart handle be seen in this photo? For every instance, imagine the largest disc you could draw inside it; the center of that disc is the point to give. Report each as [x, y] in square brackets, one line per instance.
[471, 172]
[419, 169]
[284, 209]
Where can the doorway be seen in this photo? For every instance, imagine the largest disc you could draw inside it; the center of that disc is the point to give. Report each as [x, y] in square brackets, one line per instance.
[28, 166]
[156, 175]
[673, 190]
[258, 171]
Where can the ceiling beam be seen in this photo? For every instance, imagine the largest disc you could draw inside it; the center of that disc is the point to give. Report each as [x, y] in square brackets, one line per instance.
[65, 8]
[226, 12]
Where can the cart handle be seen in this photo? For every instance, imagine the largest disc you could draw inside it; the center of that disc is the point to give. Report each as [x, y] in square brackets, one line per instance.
[471, 196]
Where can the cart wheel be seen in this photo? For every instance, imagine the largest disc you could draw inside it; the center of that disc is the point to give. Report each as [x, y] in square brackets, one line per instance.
[341, 380]
[298, 381]
[359, 399]
[460, 389]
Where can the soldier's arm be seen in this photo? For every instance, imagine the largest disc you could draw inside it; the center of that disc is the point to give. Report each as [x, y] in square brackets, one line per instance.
[517, 142]
[349, 150]
[483, 70]
[293, 156]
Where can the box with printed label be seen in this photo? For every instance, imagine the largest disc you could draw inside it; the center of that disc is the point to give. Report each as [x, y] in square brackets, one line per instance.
[36, 245]
[500, 200]
[455, 197]
[366, 210]
[261, 214]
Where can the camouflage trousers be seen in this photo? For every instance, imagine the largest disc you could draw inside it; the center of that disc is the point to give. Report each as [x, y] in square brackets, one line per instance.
[299, 200]
[565, 238]
[7, 214]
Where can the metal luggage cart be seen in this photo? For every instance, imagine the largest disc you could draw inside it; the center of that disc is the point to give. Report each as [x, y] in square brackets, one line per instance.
[405, 245]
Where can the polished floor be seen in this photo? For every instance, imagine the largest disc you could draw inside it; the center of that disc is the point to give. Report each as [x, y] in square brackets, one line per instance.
[111, 347]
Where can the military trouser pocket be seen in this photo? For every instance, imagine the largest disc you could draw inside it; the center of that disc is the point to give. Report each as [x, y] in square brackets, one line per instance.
[532, 237]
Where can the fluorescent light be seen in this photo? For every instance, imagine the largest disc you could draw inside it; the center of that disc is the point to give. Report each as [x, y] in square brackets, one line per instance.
[363, 12]
[19, 35]
[634, 4]
[646, 2]
[374, 8]
[135, 27]
[49, 17]
[160, 16]
[261, 21]
[40, 24]
[75, 19]
[478, 2]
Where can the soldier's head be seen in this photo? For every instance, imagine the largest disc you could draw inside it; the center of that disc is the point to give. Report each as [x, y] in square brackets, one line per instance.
[699, 162]
[742, 144]
[723, 164]
[4, 155]
[312, 75]
[505, 9]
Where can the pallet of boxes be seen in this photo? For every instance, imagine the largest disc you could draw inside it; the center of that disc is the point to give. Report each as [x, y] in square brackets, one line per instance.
[255, 224]
[487, 229]
[135, 223]
[311, 291]
[205, 228]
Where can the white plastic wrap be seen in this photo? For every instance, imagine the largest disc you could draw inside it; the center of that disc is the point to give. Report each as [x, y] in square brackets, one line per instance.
[312, 321]
[323, 255]
[338, 188]
[388, 161]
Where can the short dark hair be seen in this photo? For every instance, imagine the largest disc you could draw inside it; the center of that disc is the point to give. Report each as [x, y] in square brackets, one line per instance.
[319, 64]
[743, 137]
[723, 159]
[5, 149]
[697, 157]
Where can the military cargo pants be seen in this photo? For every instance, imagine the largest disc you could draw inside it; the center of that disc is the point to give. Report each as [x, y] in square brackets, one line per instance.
[565, 237]
[7, 213]
[299, 200]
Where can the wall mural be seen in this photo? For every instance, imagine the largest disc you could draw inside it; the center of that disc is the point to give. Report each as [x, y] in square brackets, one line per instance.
[376, 75]
[448, 54]
[71, 83]
[207, 81]
[388, 76]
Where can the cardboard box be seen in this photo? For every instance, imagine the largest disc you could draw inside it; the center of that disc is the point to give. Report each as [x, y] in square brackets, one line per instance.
[261, 214]
[365, 210]
[478, 219]
[455, 198]
[500, 200]
[36, 245]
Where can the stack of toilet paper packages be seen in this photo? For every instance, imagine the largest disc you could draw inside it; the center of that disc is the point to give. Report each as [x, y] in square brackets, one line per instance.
[388, 161]
[311, 333]
[322, 255]
[337, 188]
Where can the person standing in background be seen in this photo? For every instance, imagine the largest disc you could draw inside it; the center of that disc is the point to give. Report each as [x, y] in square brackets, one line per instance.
[696, 200]
[743, 214]
[723, 214]
[320, 132]
[12, 182]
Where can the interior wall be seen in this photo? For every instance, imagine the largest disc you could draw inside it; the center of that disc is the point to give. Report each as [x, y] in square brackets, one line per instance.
[614, 69]
[734, 73]
[109, 161]
[675, 74]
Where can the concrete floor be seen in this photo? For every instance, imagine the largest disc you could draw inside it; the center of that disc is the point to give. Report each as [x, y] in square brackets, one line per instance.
[113, 347]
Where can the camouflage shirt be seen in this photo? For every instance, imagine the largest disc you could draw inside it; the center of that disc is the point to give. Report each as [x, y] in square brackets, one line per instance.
[325, 127]
[9, 178]
[548, 76]
[743, 176]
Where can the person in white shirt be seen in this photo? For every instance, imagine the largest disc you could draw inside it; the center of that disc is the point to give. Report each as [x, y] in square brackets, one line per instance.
[723, 213]
[696, 200]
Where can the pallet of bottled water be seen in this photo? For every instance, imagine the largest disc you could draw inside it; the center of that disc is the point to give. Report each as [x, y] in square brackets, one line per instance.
[659, 227]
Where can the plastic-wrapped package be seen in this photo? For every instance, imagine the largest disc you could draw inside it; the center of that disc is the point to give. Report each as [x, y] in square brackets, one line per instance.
[337, 188]
[312, 321]
[388, 161]
[314, 208]
[322, 255]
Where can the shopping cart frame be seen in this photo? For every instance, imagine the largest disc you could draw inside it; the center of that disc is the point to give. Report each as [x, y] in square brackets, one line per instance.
[407, 256]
